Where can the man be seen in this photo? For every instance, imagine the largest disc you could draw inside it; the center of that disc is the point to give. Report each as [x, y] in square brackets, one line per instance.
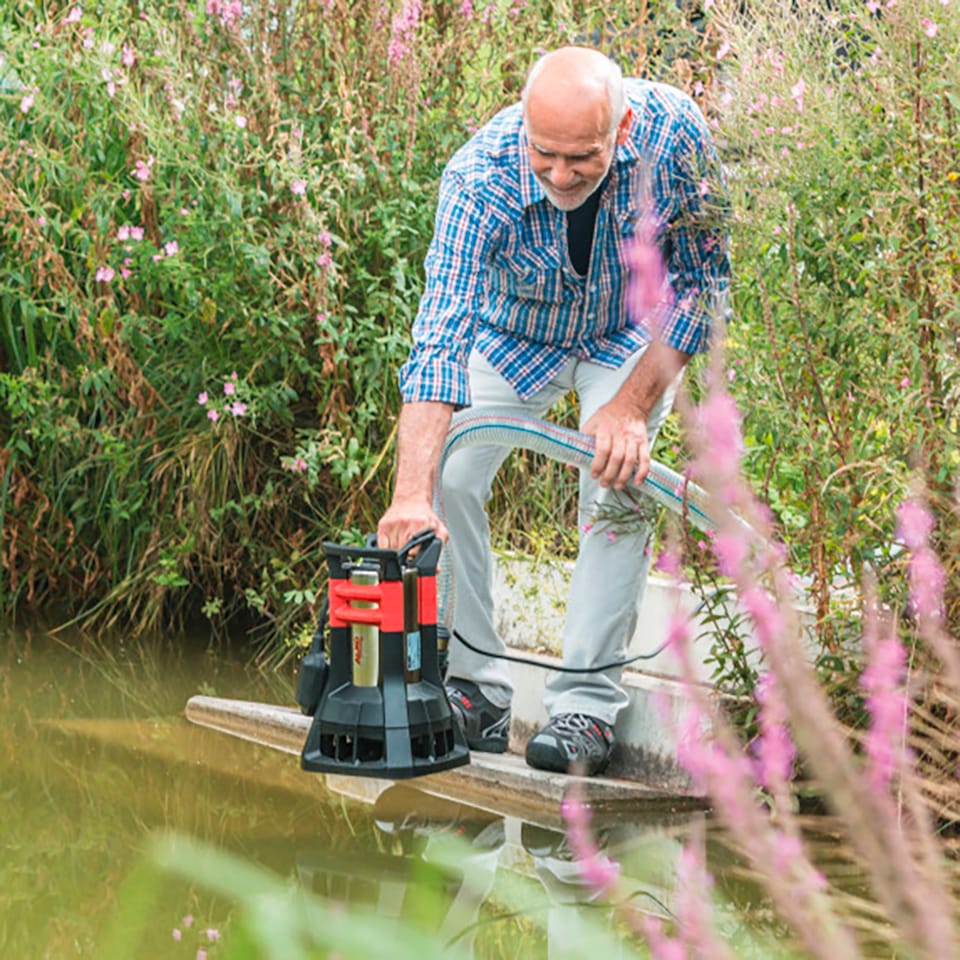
[525, 300]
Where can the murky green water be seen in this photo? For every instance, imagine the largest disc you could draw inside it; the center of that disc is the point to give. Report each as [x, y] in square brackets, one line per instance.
[95, 757]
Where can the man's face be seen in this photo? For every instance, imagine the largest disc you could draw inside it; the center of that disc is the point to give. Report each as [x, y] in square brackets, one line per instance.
[571, 150]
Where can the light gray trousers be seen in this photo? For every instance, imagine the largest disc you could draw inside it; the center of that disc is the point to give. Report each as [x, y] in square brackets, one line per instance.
[609, 576]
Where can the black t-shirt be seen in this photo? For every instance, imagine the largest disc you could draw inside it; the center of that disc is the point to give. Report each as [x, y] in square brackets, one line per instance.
[580, 224]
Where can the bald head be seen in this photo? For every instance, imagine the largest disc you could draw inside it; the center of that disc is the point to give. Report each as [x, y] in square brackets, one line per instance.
[576, 77]
[573, 116]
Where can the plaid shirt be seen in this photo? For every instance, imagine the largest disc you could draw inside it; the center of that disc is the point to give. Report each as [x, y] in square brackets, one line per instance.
[499, 277]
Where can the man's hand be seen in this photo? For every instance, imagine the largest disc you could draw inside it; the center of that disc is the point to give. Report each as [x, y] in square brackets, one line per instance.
[404, 519]
[620, 426]
[622, 447]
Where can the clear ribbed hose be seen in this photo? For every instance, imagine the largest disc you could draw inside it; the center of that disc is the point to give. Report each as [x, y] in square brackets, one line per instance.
[493, 427]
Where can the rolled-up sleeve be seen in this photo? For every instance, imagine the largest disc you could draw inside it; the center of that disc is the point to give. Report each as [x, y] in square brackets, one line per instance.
[445, 325]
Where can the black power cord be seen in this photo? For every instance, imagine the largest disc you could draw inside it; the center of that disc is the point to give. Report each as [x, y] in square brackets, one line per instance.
[557, 668]
[560, 669]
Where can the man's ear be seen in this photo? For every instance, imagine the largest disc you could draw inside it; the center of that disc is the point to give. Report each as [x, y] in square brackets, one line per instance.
[623, 127]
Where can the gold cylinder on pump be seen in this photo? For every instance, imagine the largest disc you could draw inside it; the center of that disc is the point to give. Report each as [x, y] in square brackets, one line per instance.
[365, 636]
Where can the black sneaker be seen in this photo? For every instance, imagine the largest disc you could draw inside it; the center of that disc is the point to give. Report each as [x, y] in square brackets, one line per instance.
[486, 727]
[572, 743]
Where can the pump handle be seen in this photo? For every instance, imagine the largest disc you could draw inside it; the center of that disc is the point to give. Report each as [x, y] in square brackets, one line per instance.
[426, 543]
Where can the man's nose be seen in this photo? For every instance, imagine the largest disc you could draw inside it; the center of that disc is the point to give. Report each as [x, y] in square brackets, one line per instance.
[562, 174]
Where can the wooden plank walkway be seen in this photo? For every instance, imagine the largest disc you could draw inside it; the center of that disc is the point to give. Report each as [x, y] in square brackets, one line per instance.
[499, 782]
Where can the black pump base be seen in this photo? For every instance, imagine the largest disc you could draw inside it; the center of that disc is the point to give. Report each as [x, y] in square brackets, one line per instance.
[403, 727]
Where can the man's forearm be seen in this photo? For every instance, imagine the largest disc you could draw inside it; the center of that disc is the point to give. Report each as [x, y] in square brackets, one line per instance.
[421, 433]
[653, 373]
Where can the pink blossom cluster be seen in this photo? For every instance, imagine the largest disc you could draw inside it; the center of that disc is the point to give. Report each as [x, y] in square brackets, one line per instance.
[233, 404]
[141, 168]
[325, 259]
[773, 749]
[403, 31]
[886, 700]
[209, 935]
[229, 11]
[649, 294]
[597, 870]
[128, 234]
[297, 464]
[927, 578]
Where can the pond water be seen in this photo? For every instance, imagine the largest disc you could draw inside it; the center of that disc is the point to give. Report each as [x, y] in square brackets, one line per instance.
[96, 758]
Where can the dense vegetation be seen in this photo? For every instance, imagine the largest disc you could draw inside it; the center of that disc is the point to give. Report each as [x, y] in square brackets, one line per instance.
[214, 220]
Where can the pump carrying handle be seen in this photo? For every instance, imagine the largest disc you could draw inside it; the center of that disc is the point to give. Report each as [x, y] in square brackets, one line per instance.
[426, 543]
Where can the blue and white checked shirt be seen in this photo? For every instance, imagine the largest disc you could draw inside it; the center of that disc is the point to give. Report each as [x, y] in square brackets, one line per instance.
[499, 277]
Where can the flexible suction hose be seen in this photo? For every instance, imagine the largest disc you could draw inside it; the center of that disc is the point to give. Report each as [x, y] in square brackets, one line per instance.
[492, 427]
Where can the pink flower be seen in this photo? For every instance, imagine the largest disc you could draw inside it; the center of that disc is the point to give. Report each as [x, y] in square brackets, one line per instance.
[123, 233]
[229, 388]
[325, 238]
[873, 6]
[927, 580]
[74, 15]
[324, 260]
[238, 408]
[887, 706]
[298, 187]
[104, 274]
[730, 550]
[142, 170]
[668, 563]
[188, 920]
[128, 56]
[171, 247]
[177, 935]
[26, 103]
[403, 31]
[202, 397]
[241, 121]
[929, 27]
[797, 91]
[597, 870]
[774, 748]
[662, 947]
[765, 613]
[213, 934]
[718, 423]
[611, 536]
[213, 415]
[914, 524]
[136, 233]
[648, 292]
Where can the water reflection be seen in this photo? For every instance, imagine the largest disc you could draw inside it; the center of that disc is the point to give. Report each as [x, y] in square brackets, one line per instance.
[95, 756]
[417, 824]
